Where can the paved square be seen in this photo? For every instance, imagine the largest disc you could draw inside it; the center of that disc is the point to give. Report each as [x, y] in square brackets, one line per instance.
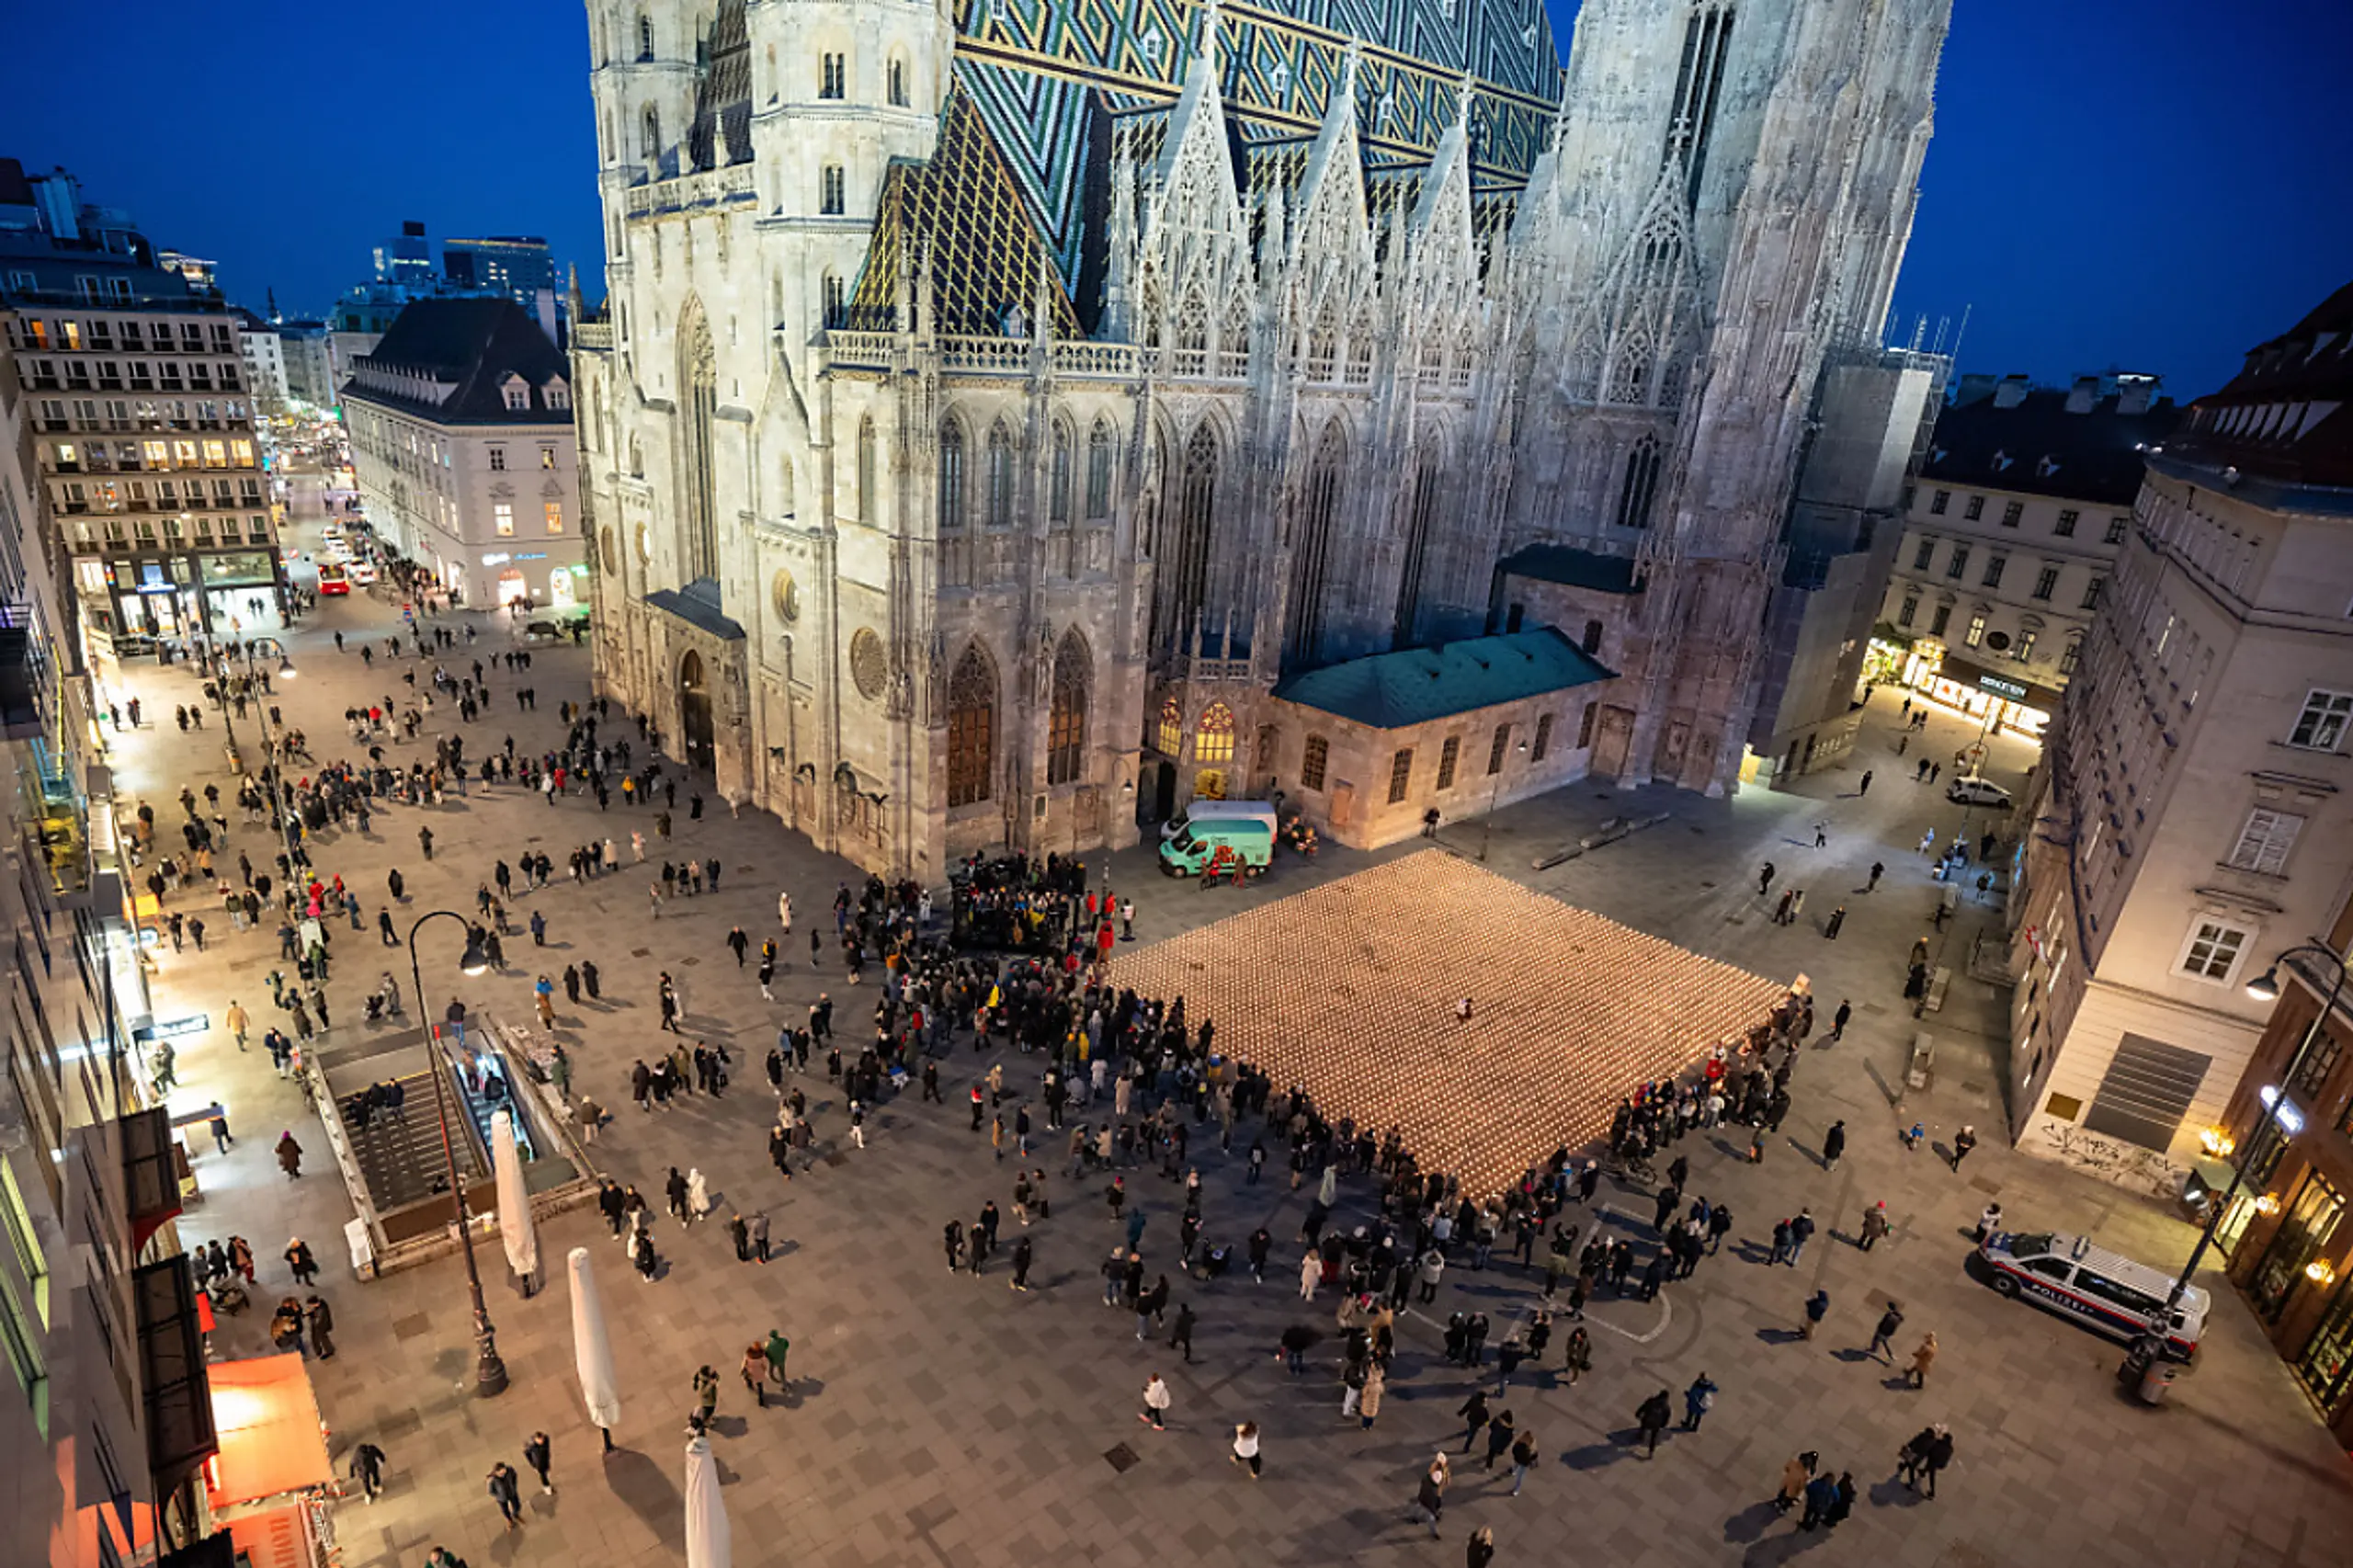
[1351, 987]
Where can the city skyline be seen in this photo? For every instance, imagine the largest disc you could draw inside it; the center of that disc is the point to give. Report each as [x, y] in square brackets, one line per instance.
[2077, 272]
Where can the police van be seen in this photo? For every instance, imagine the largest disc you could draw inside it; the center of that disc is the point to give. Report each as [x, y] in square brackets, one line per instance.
[2105, 1290]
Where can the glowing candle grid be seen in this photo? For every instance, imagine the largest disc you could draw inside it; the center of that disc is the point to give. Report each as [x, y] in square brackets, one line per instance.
[1350, 990]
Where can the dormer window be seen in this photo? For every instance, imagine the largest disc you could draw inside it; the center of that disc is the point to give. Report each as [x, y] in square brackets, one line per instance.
[2002, 463]
[519, 393]
[556, 393]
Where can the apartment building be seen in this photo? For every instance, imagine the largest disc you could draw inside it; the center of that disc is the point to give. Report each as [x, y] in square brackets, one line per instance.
[142, 428]
[105, 1413]
[2195, 815]
[461, 439]
[2010, 538]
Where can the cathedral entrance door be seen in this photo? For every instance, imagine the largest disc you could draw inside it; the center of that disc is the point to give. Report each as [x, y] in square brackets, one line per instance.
[1161, 800]
[694, 711]
[1208, 785]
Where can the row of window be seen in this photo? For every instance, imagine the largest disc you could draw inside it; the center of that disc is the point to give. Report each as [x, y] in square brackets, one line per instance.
[971, 718]
[108, 375]
[141, 414]
[2014, 512]
[502, 518]
[42, 335]
[2046, 579]
[131, 457]
[204, 528]
[1001, 455]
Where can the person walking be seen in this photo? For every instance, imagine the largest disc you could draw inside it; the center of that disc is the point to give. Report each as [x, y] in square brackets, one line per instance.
[753, 1370]
[1480, 1553]
[1794, 1476]
[1875, 1225]
[1834, 1145]
[1474, 1412]
[1697, 1400]
[1651, 1417]
[540, 1453]
[1310, 1274]
[1922, 1360]
[1883, 1346]
[239, 1021]
[1577, 1354]
[321, 1318]
[777, 1348]
[1837, 919]
[503, 1490]
[368, 1468]
[1817, 1307]
[1376, 1385]
[300, 1263]
[1246, 1448]
[1962, 1141]
[1429, 1497]
[1523, 1459]
[289, 1154]
[706, 1390]
[1157, 1401]
[1839, 1022]
[1180, 1337]
[1801, 1231]
[1500, 1433]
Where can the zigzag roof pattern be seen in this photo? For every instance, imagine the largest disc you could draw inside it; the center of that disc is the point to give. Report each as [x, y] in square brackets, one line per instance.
[1035, 68]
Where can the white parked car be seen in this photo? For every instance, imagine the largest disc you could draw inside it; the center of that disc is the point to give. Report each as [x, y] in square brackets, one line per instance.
[1975, 791]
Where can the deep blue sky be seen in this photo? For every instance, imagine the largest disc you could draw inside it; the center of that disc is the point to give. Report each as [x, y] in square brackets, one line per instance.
[2151, 184]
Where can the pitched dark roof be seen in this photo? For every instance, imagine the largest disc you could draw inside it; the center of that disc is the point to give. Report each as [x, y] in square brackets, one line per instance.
[476, 343]
[1391, 690]
[721, 132]
[1573, 567]
[697, 604]
[2284, 415]
[2038, 448]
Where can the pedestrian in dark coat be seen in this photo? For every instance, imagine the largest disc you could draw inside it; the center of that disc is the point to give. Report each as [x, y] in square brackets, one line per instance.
[540, 1454]
[1652, 1418]
[321, 1327]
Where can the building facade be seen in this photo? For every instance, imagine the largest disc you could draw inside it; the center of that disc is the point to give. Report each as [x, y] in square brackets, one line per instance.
[309, 362]
[952, 395]
[518, 265]
[264, 353]
[2291, 1250]
[2012, 534]
[2194, 816]
[143, 425]
[461, 441]
[104, 1415]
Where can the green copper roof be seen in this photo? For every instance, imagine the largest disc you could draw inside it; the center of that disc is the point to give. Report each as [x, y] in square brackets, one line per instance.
[1388, 691]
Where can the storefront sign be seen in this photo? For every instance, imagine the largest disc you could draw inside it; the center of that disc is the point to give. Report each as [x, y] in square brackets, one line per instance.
[496, 558]
[194, 1023]
[2014, 690]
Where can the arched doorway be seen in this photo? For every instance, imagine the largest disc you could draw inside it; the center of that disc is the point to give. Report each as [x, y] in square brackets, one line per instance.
[1160, 801]
[694, 711]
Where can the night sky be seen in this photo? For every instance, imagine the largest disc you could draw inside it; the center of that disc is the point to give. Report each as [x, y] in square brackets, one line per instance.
[2154, 185]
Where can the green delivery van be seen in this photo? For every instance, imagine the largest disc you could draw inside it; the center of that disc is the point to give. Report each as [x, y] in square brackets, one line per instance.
[1211, 849]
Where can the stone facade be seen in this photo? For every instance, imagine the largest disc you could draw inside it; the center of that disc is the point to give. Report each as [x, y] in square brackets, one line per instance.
[1000, 412]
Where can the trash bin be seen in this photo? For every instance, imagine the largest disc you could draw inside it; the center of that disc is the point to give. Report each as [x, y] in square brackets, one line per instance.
[2158, 1381]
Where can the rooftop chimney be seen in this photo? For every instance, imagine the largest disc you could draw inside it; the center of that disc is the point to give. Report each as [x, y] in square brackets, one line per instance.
[2011, 392]
[2083, 396]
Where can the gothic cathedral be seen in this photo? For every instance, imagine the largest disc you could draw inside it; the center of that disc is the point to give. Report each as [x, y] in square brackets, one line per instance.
[994, 400]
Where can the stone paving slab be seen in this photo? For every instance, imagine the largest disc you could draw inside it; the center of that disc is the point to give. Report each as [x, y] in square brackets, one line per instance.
[894, 1447]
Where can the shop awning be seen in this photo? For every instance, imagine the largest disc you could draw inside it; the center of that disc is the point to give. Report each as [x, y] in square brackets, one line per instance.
[151, 1175]
[270, 1441]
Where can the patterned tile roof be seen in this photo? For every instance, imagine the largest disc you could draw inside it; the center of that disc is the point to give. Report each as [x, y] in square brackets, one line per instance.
[987, 259]
[721, 132]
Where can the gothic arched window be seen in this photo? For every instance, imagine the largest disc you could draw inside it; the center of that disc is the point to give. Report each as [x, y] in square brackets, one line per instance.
[1641, 485]
[1213, 741]
[951, 477]
[649, 144]
[1630, 372]
[868, 510]
[1169, 736]
[1417, 544]
[644, 36]
[999, 514]
[1066, 722]
[972, 721]
[1186, 557]
[1099, 444]
[1311, 557]
[1058, 479]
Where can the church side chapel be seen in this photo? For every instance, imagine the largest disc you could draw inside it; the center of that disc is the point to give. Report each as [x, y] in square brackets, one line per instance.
[1012, 419]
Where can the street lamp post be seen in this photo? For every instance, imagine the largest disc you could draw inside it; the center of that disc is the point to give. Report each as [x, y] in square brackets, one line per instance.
[1495, 795]
[490, 1372]
[2265, 987]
